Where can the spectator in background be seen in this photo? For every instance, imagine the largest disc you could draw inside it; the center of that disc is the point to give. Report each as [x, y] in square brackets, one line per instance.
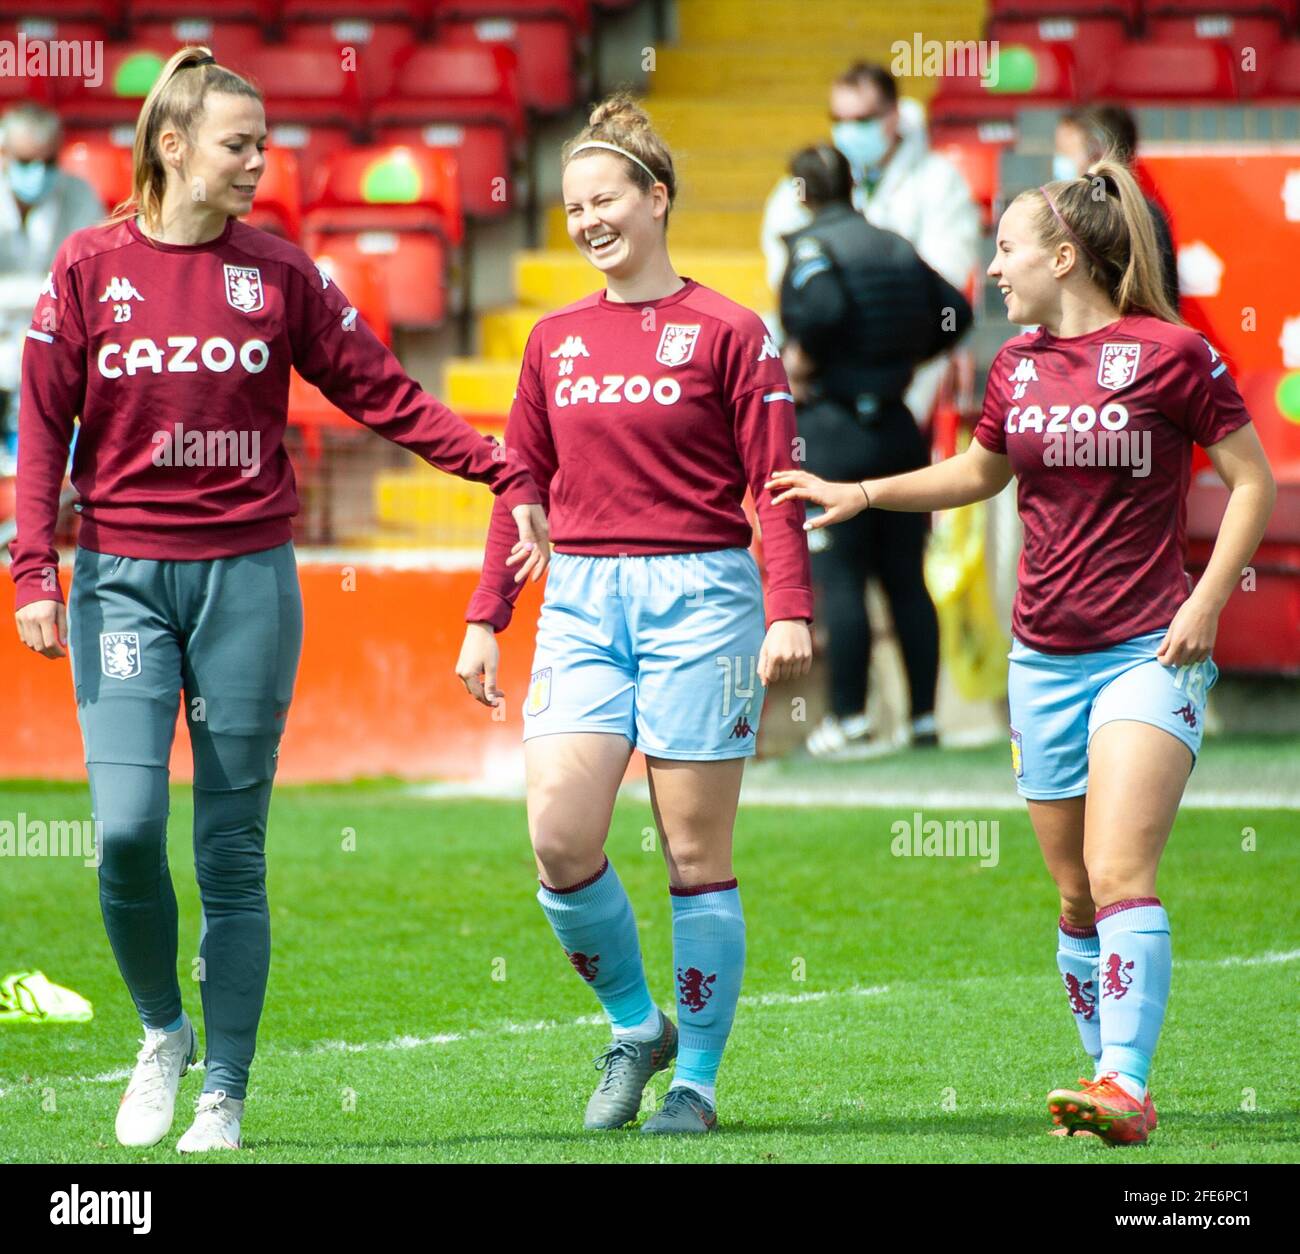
[898, 184]
[40, 206]
[861, 310]
[1084, 136]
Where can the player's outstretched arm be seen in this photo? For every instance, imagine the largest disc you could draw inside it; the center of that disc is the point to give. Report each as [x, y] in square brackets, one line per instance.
[973, 475]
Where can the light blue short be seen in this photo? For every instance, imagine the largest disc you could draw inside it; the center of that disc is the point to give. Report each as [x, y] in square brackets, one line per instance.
[1058, 700]
[662, 650]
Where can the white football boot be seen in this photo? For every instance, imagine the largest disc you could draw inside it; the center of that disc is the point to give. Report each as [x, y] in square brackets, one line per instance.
[149, 1103]
[215, 1126]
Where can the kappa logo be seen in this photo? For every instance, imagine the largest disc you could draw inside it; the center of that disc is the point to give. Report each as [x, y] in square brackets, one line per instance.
[47, 288]
[119, 654]
[120, 289]
[324, 276]
[677, 344]
[1022, 376]
[768, 350]
[244, 288]
[572, 347]
[1118, 365]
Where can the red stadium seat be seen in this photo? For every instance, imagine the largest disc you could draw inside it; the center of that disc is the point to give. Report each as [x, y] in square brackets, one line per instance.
[1260, 33]
[464, 99]
[105, 166]
[415, 13]
[978, 164]
[1282, 82]
[277, 207]
[140, 12]
[379, 47]
[1199, 70]
[1091, 40]
[229, 41]
[1034, 10]
[41, 88]
[108, 13]
[1285, 10]
[1027, 74]
[304, 85]
[312, 146]
[547, 35]
[130, 69]
[400, 208]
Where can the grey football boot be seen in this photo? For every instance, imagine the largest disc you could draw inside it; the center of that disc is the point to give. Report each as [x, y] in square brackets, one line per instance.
[684, 1110]
[628, 1066]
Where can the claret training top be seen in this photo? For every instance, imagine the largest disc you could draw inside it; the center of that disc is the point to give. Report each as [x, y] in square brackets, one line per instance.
[176, 358]
[643, 423]
[1099, 429]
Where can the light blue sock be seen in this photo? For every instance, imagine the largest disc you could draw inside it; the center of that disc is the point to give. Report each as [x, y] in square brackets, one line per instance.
[709, 963]
[1077, 951]
[175, 1025]
[1134, 977]
[594, 922]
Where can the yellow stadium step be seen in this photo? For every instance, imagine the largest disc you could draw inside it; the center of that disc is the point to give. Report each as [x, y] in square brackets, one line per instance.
[480, 386]
[746, 71]
[845, 24]
[504, 332]
[689, 227]
[552, 279]
[726, 125]
[424, 506]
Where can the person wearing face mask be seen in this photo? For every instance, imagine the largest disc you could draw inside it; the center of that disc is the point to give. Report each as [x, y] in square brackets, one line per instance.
[40, 206]
[861, 310]
[898, 184]
[1084, 136]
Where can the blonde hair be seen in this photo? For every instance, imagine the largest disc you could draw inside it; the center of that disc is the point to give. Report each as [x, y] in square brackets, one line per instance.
[1106, 216]
[178, 99]
[618, 119]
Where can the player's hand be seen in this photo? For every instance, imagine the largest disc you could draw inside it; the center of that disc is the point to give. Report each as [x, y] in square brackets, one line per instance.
[43, 627]
[1190, 637]
[786, 651]
[477, 665]
[840, 501]
[534, 543]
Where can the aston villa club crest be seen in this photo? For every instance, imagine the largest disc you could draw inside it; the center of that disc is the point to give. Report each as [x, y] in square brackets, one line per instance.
[244, 288]
[676, 344]
[539, 692]
[119, 654]
[1119, 365]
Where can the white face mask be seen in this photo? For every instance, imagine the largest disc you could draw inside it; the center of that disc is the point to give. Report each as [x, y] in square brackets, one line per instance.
[863, 144]
[1064, 167]
[29, 180]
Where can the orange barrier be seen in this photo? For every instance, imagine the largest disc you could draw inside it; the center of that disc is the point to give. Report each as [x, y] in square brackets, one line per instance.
[377, 692]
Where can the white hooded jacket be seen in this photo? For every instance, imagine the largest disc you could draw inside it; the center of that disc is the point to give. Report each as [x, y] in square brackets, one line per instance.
[922, 197]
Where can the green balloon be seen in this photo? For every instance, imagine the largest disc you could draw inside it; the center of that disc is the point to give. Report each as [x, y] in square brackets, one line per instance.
[1288, 396]
[391, 182]
[136, 74]
[1014, 71]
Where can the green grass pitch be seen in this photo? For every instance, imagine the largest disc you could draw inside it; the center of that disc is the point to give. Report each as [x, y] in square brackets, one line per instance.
[419, 1008]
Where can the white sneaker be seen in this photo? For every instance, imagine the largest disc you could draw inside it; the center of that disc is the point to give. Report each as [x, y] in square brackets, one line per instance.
[149, 1103]
[215, 1126]
[832, 737]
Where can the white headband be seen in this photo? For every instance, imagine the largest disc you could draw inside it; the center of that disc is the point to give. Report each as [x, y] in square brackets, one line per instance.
[600, 143]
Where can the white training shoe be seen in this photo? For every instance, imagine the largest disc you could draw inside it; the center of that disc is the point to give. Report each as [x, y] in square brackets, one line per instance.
[149, 1103]
[215, 1126]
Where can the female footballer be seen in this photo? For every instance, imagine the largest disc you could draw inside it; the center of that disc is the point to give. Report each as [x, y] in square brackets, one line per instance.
[644, 411]
[1095, 413]
[170, 330]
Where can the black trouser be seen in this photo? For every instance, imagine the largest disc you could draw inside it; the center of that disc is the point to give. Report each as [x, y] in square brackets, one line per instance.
[890, 546]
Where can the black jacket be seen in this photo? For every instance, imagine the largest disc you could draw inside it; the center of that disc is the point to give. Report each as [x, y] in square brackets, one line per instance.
[864, 306]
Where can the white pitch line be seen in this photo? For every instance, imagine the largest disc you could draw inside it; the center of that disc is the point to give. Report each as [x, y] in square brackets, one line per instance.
[1271, 958]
